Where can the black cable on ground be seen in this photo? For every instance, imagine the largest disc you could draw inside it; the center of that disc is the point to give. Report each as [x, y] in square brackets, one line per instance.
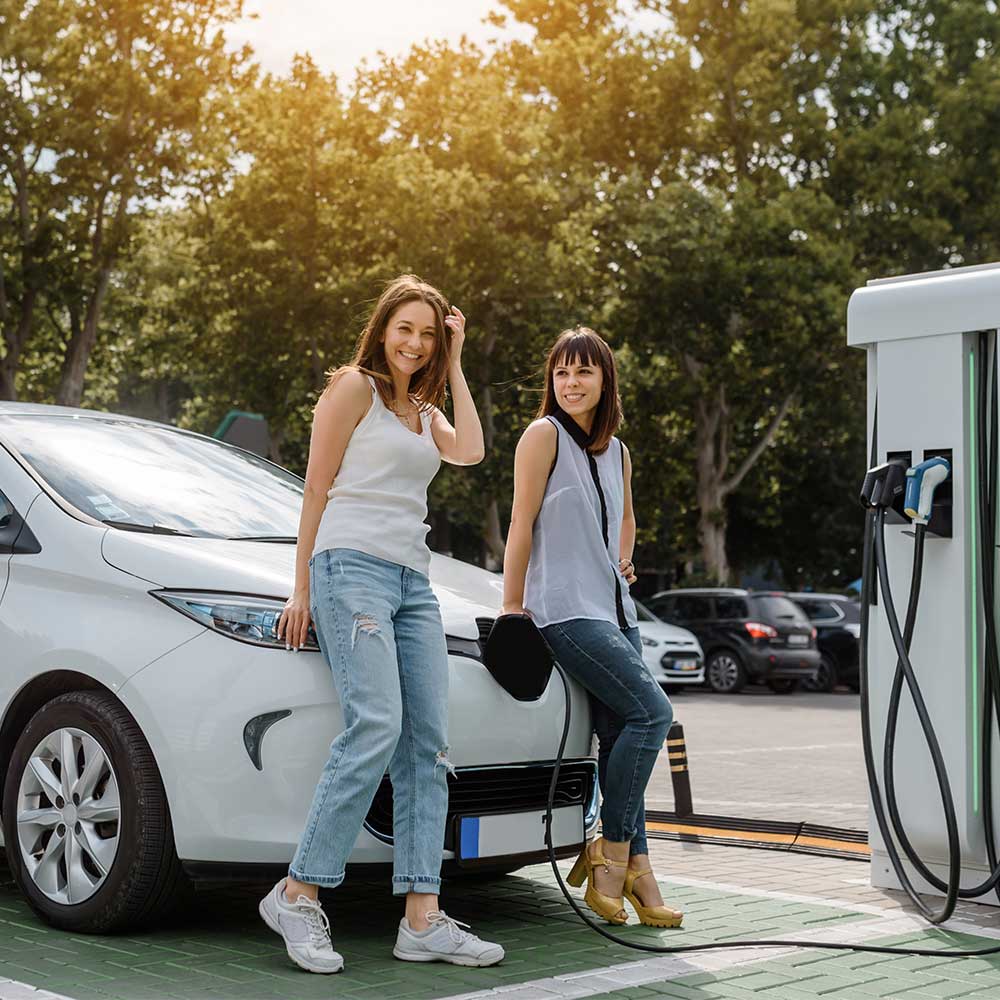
[714, 946]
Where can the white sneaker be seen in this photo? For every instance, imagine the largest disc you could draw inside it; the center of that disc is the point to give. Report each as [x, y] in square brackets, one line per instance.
[444, 941]
[305, 929]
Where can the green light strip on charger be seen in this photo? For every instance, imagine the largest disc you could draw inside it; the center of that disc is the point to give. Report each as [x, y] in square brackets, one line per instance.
[971, 465]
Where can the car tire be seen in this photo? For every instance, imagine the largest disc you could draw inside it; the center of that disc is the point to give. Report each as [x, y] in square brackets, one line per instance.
[826, 676]
[783, 685]
[725, 672]
[119, 849]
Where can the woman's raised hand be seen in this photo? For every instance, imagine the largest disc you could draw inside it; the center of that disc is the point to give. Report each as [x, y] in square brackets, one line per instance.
[293, 625]
[455, 323]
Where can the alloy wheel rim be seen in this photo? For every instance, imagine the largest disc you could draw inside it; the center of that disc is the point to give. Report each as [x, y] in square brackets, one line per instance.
[724, 671]
[68, 816]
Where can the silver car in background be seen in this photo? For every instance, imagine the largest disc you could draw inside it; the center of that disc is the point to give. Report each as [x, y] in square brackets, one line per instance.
[672, 654]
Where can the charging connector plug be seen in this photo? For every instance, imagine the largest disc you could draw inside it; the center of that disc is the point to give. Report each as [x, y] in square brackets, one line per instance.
[921, 482]
[883, 484]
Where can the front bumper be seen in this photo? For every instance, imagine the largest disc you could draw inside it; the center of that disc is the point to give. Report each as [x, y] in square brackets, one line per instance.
[675, 668]
[194, 703]
[664, 663]
[490, 809]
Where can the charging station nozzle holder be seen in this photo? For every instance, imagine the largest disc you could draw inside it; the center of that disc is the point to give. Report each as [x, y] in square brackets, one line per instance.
[939, 524]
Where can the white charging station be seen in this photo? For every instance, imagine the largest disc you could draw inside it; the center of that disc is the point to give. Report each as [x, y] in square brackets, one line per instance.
[922, 338]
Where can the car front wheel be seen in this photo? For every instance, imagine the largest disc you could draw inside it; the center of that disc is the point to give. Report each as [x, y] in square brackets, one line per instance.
[725, 672]
[85, 818]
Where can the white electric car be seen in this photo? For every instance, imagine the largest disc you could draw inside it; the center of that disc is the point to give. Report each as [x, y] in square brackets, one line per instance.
[672, 654]
[154, 733]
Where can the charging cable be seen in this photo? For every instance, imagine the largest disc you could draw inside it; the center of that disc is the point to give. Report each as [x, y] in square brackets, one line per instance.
[881, 487]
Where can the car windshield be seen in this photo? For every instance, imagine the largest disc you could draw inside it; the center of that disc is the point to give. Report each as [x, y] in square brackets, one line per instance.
[772, 607]
[643, 613]
[139, 476]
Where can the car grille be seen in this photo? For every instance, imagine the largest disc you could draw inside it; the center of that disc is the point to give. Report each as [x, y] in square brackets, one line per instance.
[479, 791]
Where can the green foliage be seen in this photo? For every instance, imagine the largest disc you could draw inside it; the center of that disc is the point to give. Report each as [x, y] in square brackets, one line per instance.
[105, 109]
[706, 192]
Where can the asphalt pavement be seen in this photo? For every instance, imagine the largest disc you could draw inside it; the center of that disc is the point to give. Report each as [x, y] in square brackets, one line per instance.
[758, 755]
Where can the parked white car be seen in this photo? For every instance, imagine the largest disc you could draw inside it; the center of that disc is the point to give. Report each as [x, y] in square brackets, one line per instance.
[152, 729]
[672, 654]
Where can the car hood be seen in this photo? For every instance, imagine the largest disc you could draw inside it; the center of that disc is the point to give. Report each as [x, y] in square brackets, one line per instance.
[267, 569]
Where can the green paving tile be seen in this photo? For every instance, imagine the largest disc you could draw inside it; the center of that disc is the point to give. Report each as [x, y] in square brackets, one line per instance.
[223, 951]
[860, 976]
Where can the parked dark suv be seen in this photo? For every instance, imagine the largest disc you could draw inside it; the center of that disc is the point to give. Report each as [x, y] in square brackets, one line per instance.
[837, 621]
[762, 637]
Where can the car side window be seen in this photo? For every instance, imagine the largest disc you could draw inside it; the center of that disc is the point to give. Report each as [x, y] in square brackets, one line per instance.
[731, 607]
[691, 609]
[662, 608]
[818, 611]
[6, 511]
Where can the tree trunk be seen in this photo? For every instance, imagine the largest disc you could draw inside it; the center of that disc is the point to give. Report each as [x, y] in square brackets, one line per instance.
[712, 457]
[712, 538]
[104, 250]
[16, 331]
[493, 536]
[14, 338]
[81, 344]
[492, 532]
[711, 425]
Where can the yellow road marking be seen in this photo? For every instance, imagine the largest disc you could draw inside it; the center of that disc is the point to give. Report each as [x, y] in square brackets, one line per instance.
[768, 838]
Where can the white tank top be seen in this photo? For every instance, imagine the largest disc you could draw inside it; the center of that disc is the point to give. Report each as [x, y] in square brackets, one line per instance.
[573, 567]
[378, 502]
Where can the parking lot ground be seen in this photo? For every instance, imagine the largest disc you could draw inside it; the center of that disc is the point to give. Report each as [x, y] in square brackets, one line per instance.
[222, 951]
[756, 755]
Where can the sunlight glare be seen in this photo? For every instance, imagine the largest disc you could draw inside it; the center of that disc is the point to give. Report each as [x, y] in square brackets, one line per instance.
[339, 35]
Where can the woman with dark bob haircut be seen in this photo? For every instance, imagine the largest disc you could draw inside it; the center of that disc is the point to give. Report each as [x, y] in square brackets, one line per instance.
[568, 565]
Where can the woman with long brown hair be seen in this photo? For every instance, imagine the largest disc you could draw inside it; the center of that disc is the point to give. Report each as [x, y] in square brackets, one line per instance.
[568, 564]
[378, 439]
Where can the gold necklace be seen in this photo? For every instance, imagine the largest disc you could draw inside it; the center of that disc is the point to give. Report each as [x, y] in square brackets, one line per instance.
[404, 417]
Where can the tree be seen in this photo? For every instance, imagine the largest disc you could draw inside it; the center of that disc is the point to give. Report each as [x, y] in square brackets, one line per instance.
[473, 185]
[107, 107]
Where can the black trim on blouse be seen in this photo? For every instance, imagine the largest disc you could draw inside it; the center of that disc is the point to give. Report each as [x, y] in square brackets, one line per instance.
[582, 438]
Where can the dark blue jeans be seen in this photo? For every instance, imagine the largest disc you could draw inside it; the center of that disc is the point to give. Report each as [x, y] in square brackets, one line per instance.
[632, 717]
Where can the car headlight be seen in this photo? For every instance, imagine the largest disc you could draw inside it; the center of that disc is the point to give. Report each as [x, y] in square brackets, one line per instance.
[248, 619]
[649, 642]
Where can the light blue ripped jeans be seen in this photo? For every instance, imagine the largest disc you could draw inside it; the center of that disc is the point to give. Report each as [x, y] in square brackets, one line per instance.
[379, 627]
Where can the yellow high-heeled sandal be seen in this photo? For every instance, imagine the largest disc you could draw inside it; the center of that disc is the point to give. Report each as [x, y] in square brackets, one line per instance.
[651, 916]
[612, 909]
